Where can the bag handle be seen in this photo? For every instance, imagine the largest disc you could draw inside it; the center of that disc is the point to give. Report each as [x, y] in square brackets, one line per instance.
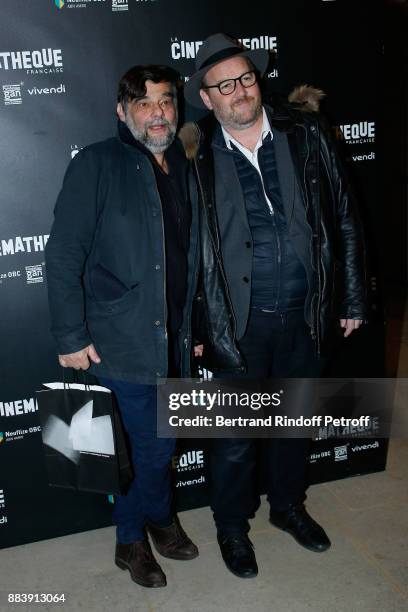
[77, 377]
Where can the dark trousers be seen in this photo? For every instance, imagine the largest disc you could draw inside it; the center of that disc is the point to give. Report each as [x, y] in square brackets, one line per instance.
[149, 495]
[275, 345]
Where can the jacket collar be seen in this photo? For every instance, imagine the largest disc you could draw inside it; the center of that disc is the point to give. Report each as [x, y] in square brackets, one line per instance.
[126, 136]
[283, 114]
[230, 141]
[280, 117]
[278, 120]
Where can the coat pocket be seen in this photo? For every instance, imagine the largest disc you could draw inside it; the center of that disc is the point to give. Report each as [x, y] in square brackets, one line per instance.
[106, 308]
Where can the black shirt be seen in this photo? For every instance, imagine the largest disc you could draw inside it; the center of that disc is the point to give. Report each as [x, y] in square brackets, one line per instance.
[176, 211]
[177, 220]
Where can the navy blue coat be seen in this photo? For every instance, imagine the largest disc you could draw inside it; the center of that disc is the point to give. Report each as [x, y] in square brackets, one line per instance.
[108, 240]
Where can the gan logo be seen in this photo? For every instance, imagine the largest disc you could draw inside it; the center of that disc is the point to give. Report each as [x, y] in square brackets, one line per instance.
[34, 274]
[59, 4]
[356, 133]
[12, 94]
[340, 453]
[120, 5]
[184, 49]
[23, 244]
[42, 61]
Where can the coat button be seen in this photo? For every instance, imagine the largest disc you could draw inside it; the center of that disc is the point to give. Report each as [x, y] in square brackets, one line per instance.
[157, 266]
[157, 323]
[314, 181]
[248, 244]
[245, 279]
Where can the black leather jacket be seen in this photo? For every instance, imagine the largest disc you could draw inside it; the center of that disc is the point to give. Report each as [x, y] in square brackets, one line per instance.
[338, 252]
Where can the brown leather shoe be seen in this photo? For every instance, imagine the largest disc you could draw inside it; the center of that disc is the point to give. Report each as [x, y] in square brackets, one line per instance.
[138, 559]
[172, 542]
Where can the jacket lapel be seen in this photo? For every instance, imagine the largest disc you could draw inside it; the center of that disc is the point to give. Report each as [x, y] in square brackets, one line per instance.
[228, 192]
[286, 173]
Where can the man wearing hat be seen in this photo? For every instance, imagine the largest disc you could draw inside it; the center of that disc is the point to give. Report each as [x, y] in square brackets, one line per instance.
[283, 256]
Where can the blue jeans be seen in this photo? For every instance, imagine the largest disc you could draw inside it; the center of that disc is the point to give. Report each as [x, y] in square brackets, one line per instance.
[149, 495]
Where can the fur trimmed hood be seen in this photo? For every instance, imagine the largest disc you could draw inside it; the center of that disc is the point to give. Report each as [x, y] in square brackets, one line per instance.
[304, 98]
[307, 98]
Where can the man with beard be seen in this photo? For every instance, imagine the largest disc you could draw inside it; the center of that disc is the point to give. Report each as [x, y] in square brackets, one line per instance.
[280, 240]
[121, 269]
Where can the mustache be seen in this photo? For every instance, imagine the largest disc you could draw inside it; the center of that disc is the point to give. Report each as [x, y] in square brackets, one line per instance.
[243, 98]
[156, 122]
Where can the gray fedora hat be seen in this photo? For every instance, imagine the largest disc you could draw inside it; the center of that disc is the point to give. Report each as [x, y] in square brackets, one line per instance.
[217, 48]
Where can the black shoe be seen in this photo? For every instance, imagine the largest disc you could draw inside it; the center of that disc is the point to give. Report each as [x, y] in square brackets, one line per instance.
[300, 524]
[238, 554]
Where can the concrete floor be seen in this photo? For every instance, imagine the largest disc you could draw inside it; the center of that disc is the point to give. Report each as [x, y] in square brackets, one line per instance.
[365, 570]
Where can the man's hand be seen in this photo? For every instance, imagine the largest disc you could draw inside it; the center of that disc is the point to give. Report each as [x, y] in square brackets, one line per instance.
[198, 350]
[350, 325]
[81, 360]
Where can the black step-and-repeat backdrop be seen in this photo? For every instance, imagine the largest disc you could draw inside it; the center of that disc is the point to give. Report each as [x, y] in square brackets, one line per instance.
[60, 61]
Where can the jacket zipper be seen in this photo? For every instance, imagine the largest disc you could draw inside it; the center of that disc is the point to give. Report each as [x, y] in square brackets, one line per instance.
[315, 333]
[320, 267]
[278, 242]
[194, 284]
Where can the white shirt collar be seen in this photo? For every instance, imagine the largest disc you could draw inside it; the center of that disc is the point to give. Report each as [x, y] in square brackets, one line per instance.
[266, 129]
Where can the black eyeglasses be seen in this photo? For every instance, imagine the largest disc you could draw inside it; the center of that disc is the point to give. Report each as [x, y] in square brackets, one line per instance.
[228, 86]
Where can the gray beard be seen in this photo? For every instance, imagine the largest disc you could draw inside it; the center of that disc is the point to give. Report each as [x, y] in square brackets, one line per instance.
[153, 144]
[232, 121]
